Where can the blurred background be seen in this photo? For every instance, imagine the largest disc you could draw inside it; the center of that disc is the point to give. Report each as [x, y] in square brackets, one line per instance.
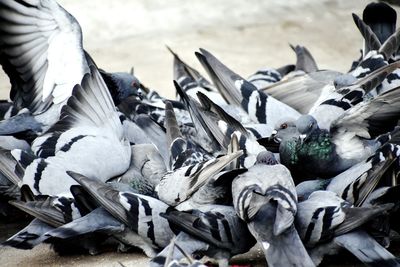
[245, 35]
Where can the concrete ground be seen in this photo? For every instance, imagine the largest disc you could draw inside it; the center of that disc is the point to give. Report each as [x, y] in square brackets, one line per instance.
[245, 35]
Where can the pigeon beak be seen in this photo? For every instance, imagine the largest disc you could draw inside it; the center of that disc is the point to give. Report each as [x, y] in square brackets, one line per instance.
[302, 137]
[273, 136]
[140, 94]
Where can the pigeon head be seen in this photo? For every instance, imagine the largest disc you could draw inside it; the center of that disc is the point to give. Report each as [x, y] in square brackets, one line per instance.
[306, 124]
[284, 130]
[344, 80]
[128, 85]
[267, 158]
[122, 85]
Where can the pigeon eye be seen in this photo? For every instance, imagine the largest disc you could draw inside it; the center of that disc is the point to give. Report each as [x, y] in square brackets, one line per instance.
[284, 126]
[134, 84]
[311, 125]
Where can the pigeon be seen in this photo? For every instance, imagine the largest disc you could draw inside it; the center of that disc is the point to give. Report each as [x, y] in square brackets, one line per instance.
[378, 51]
[192, 81]
[327, 219]
[145, 171]
[220, 127]
[179, 185]
[145, 229]
[304, 60]
[333, 102]
[182, 152]
[381, 18]
[265, 197]
[54, 211]
[88, 232]
[264, 77]
[30, 236]
[260, 107]
[41, 42]
[349, 140]
[216, 190]
[169, 260]
[88, 138]
[155, 132]
[205, 131]
[325, 215]
[38, 32]
[301, 92]
[46, 27]
[213, 230]
[122, 85]
[366, 249]
[269, 77]
[356, 183]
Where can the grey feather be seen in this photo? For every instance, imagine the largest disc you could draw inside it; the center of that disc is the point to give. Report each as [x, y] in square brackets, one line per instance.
[30, 236]
[304, 60]
[366, 249]
[99, 220]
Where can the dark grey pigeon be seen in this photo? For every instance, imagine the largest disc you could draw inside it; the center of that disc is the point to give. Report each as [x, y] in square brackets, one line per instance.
[351, 138]
[121, 85]
[265, 197]
[356, 183]
[371, 41]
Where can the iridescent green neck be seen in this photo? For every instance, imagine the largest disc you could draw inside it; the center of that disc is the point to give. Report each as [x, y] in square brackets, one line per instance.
[316, 146]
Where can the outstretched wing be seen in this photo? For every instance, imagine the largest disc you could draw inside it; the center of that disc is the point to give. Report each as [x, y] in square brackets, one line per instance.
[41, 52]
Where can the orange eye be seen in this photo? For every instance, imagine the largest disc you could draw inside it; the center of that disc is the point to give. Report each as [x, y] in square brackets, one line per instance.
[284, 126]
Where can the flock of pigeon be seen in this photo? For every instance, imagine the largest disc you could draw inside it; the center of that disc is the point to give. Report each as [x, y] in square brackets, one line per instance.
[302, 161]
